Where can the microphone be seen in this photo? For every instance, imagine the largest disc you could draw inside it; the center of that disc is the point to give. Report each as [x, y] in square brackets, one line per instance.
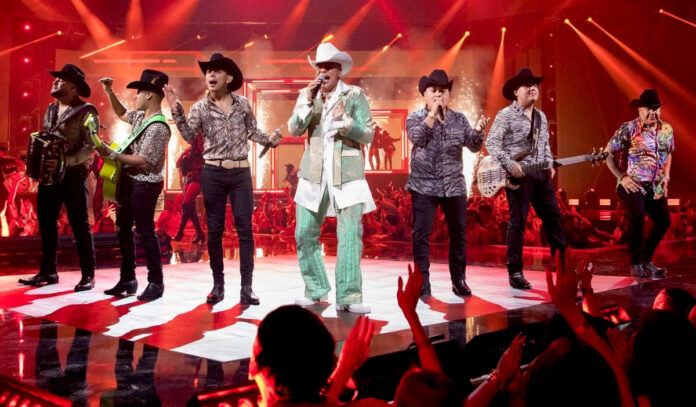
[441, 112]
[321, 78]
[267, 146]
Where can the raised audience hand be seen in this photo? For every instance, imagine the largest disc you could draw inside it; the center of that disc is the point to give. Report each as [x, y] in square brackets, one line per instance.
[509, 363]
[407, 297]
[564, 291]
[357, 346]
[618, 344]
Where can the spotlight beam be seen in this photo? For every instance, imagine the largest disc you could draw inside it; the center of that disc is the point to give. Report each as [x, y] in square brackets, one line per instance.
[115, 44]
[346, 30]
[287, 31]
[26, 44]
[661, 76]
[447, 60]
[628, 79]
[327, 38]
[380, 52]
[494, 98]
[668, 14]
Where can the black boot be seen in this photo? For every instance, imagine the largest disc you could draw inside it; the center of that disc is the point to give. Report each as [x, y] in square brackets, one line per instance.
[460, 289]
[200, 238]
[127, 287]
[655, 271]
[637, 270]
[517, 280]
[152, 292]
[86, 283]
[217, 294]
[248, 297]
[40, 280]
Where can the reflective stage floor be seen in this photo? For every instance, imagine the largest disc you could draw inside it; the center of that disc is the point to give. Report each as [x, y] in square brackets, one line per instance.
[83, 345]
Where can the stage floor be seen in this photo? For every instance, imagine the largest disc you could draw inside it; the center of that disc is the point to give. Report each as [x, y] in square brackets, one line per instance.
[197, 346]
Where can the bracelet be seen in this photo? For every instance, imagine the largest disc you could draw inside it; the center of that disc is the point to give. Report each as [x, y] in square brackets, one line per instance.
[622, 177]
[494, 379]
[431, 115]
[112, 156]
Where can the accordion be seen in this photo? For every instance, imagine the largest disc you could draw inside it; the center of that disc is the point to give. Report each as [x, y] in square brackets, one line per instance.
[45, 146]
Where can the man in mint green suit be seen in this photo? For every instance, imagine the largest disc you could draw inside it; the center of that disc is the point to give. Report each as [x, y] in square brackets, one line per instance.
[332, 182]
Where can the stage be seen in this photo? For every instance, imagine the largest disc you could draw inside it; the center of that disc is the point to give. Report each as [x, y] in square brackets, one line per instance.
[192, 346]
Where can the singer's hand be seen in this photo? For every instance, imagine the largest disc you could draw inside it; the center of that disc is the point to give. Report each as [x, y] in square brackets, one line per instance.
[516, 171]
[275, 138]
[171, 96]
[311, 88]
[339, 111]
[481, 124]
[106, 83]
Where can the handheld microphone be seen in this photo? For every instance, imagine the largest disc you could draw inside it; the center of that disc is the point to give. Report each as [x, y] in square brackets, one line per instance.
[267, 146]
[321, 78]
[441, 112]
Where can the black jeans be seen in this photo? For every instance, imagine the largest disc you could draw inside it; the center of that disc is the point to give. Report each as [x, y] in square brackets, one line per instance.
[219, 184]
[454, 208]
[535, 188]
[637, 206]
[72, 192]
[136, 205]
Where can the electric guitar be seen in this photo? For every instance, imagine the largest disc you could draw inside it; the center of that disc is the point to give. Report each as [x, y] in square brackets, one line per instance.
[491, 177]
[111, 170]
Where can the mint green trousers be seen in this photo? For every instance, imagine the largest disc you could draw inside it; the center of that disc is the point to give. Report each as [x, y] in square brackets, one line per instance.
[349, 232]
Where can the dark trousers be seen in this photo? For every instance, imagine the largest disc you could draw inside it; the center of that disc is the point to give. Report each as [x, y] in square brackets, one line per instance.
[72, 192]
[454, 208]
[136, 205]
[219, 184]
[637, 206]
[535, 188]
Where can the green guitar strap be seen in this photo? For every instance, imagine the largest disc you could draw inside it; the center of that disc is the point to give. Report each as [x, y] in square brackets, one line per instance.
[140, 130]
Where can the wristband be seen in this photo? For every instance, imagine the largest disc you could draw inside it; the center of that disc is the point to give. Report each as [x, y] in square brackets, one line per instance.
[112, 156]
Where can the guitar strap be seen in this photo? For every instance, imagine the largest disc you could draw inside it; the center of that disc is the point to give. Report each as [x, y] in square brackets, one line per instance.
[534, 130]
[140, 130]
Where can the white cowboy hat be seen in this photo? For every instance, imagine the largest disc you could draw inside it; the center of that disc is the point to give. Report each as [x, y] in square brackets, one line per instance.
[327, 52]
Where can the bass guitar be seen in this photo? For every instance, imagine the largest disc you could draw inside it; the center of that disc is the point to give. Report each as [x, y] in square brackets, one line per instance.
[491, 177]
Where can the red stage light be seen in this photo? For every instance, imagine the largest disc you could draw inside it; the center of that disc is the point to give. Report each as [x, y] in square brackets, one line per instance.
[25, 94]
[26, 60]
[27, 27]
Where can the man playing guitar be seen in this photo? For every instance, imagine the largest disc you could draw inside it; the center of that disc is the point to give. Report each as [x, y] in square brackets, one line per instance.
[517, 129]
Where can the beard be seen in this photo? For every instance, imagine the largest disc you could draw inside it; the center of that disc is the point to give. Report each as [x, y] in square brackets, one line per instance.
[58, 93]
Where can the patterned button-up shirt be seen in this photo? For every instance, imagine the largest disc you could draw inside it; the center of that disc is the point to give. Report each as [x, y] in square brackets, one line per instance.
[510, 135]
[225, 135]
[151, 145]
[78, 146]
[436, 158]
[647, 148]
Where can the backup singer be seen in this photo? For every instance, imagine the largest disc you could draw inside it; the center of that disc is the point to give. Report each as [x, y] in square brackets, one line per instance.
[516, 129]
[141, 185]
[438, 134]
[65, 117]
[190, 163]
[648, 142]
[227, 124]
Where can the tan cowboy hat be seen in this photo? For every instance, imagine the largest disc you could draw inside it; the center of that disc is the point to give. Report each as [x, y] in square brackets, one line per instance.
[327, 52]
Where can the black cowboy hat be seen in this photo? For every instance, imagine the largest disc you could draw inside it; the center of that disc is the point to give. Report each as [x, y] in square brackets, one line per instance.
[523, 77]
[73, 74]
[649, 98]
[150, 80]
[217, 61]
[438, 77]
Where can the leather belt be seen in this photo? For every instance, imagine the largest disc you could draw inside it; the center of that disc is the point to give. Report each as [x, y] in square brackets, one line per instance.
[228, 164]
